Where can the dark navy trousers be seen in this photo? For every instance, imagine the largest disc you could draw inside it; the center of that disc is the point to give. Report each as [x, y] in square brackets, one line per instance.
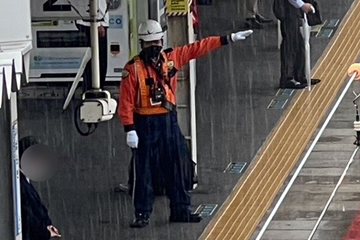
[161, 161]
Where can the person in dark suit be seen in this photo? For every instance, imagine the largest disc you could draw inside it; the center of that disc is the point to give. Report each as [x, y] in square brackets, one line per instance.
[36, 223]
[292, 52]
[254, 19]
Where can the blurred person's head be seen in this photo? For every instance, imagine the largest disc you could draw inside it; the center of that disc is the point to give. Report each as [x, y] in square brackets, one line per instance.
[38, 162]
[25, 143]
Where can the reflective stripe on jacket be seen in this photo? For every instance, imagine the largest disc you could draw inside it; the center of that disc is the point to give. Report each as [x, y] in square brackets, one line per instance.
[143, 104]
[130, 99]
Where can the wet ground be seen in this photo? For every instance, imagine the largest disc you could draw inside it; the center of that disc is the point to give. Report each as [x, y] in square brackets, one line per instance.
[235, 85]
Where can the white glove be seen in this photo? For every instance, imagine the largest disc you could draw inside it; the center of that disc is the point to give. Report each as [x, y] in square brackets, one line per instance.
[240, 35]
[132, 139]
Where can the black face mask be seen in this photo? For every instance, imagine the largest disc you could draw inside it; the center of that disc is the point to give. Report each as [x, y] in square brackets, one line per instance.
[151, 54]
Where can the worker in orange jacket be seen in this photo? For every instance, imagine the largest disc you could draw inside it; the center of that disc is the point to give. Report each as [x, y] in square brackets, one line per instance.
[147, 109]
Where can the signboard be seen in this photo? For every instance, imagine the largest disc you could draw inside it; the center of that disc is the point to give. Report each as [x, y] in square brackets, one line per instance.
[59, 9]
[15, 25]
[59, 47]
[177, 7]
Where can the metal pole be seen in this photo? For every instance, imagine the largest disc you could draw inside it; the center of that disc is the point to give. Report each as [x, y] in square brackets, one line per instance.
[192, 79]
[94, 33]
[279, 34]
[15, 166]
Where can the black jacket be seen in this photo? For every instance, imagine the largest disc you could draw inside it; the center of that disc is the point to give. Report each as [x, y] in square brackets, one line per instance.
[35, 218]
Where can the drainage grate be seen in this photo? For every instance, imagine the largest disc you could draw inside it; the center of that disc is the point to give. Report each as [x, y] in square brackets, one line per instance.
[206, 210]
[277, 104]
[235, 167]
[332, 23]
[285, 92]
[316, 28]
[325, 33]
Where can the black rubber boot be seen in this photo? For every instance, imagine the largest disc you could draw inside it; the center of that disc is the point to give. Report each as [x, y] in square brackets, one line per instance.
[252, 23]
[186, 218]
[292, 84]
[262, 19]
[140, 221]
[313, 81]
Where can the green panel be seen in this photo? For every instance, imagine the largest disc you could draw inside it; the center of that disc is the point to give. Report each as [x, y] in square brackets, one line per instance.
[237, 167]
[206, 210]
[332, 23]
[325, 33]
[277, 104]
[285, 92]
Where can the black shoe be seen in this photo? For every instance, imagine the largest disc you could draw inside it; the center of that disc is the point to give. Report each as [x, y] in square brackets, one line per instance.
[292, 84]
[140, 221]
[253, 24]
[186, 218]
[262, 19]
[313, 81]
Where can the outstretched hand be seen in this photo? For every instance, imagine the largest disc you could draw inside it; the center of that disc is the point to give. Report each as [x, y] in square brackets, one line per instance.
[241, 35]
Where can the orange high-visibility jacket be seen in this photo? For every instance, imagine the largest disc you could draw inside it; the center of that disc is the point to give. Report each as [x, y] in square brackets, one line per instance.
[135, 94]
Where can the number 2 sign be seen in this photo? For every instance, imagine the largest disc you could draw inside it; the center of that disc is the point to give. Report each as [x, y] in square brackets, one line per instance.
[58, 9]
[50, 6]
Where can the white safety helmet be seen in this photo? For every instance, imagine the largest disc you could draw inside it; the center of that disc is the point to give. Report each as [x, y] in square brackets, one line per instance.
[150, 31]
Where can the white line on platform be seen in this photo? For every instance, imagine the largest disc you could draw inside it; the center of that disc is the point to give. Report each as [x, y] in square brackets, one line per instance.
[303, 161]
[333, 193]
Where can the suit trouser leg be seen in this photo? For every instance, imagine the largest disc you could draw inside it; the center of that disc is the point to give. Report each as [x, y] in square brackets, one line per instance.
[299, 66]
[251, 8]
[290, 46]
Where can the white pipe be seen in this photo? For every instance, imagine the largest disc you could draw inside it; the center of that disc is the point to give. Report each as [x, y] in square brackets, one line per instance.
[279, 34]
[333, 193]
[303, 161]
[94, 33]
[15, 165]
[306, 35]
[192, 79]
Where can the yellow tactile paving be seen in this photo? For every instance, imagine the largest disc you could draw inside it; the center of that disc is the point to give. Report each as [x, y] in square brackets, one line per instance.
[253, 195]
